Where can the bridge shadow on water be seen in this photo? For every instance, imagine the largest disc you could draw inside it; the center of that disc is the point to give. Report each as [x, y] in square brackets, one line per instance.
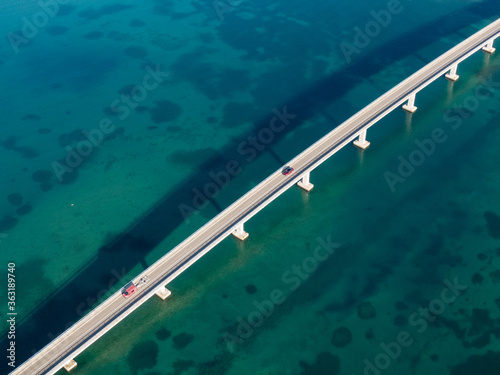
[66, 304]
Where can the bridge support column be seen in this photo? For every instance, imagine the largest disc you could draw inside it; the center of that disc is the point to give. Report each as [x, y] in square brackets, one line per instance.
[163, 293]
[489, 47]
[452, 75]
[70, 365]
[410, 106]
[361, 142]
[240, 233]
[304, 182]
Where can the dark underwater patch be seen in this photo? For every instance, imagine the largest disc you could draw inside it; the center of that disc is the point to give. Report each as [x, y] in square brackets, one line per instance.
[236, 114]
[341, 337]
[31, 117]
[477, 278]
[211, 120]
[118, 36]
[366, 310]
[482, 256]
[28, 152]
[68, 177]
[136, 52]
[489, 364]
[143, 356]
[480, 342]
[15, 199]
[495, 276]
[206, 38]
[497, 302]
[109, 112]
[165, 111]
[163, 334]
[250, 289]
[326, 364]
[481, 328]
[74, 137]
[44, 131]
[10, 144]
[400, 320]
[94, 35]
[24, 210]
[180, 366]
[192, 157]
[162, 8]
[127, 89]
[137, 23]
[45, 186]
[180, 16]
[95, 13]
[7, 223]
[369, 335]
[219, 365]
[65, 10]
[41, 175]
[141, 244]
[182, 340]
[56, 30]
[400, 305]
[493, 223]
[212, 81]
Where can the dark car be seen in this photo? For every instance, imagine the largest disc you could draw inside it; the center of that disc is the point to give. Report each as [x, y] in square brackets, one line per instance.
[129, 289]
[287, 170]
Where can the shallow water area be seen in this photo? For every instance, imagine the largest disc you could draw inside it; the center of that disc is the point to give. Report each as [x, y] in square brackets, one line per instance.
[212, 83]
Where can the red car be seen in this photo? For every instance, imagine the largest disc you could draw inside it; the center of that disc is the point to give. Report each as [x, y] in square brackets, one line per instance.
[287, 170]
[129, 289]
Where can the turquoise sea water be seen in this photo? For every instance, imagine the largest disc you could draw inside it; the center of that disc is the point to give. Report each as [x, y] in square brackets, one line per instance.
[118, 211]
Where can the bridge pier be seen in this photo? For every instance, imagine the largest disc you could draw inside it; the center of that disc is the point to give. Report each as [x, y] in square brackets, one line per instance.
[163, 293]
[361, 142]
[452, 75]
[70, 365]
[410, 106]
[304, 182]
[489, 47]
[240, 233]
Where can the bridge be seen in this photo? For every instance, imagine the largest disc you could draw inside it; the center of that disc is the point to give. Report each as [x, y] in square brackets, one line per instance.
[63, 350]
